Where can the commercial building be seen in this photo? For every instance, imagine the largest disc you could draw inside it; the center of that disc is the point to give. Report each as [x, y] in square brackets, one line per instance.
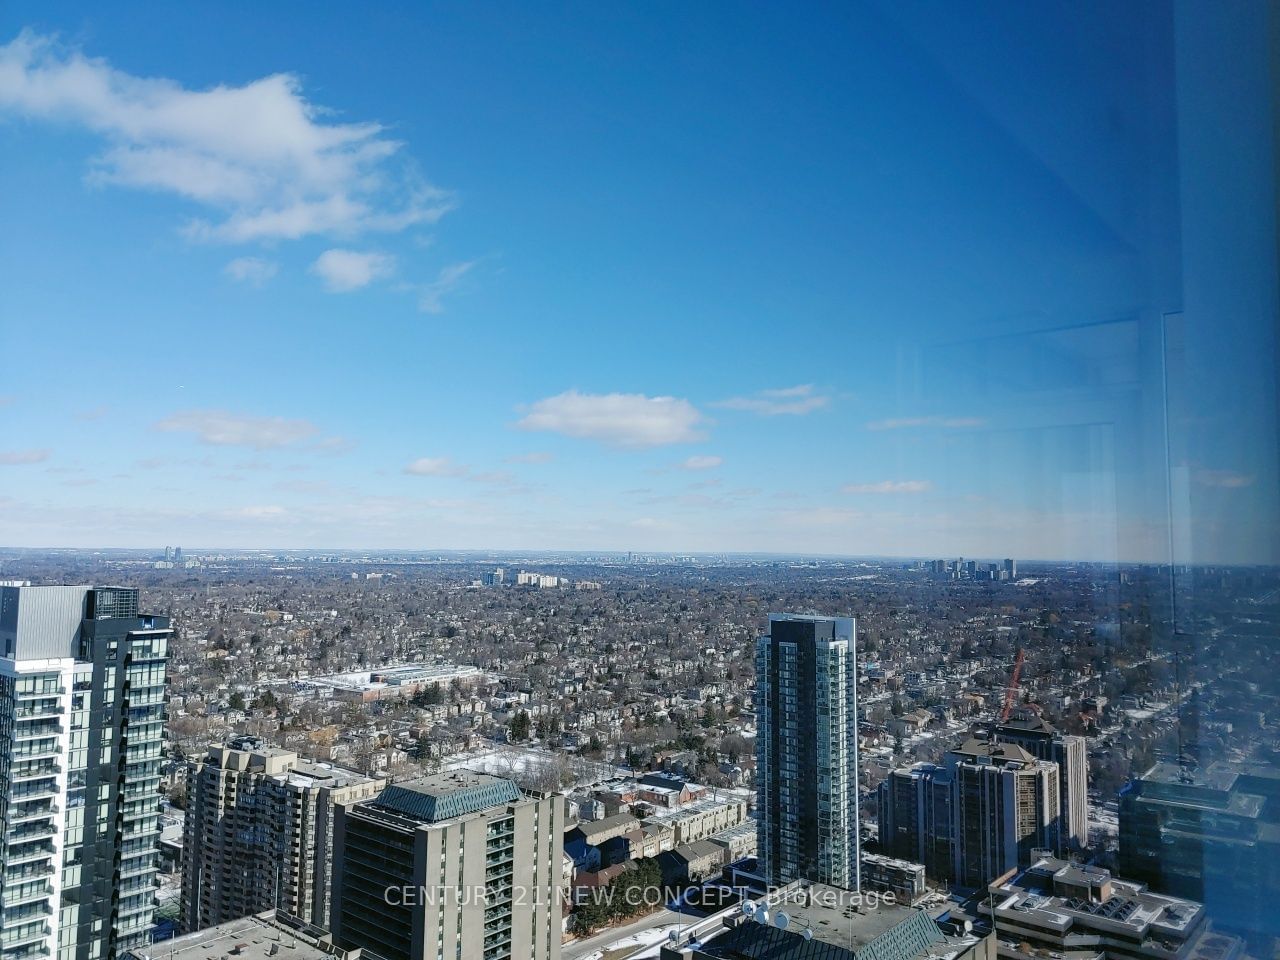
[388, 683]
[459, 865]
[1058, 909]
[804, 921]
[258, 834]
[264, 936]
[82, 717]
[1211, 835]
[1042, 741]
[807, 750]
[903, 878]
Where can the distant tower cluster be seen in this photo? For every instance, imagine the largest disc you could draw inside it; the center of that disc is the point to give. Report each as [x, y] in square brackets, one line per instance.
[962, 569]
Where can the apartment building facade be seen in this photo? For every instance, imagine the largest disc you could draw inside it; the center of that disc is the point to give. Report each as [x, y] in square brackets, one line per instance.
[82, 719]
[258, 834]
[456, 866]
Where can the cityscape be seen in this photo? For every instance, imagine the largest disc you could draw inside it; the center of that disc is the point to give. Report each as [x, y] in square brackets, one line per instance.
[609, 756]
[667, 481]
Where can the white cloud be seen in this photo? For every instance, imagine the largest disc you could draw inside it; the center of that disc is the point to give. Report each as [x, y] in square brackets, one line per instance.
[265, 162]
[619, 419]
[702, 463]
[537, 456]
[1223, 479]
[345, 270]
[10, 458]
[431, 295]
[258, 512]
[795, 401]
[223, 429]
[889, 486]
[435, 467]
[251, 270]
[909, 423]
[336, 445]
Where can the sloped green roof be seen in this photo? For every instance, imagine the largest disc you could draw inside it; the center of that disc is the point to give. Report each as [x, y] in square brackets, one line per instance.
[447, 795]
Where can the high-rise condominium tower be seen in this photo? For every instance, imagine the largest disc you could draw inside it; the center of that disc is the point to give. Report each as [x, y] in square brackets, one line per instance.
[458, 865]
[1005, 809]
[916, 817]
[1043, 742]
[258, 834]
[807, 750]
[82, 714]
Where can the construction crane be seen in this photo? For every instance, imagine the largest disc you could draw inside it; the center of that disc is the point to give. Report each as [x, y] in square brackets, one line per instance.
[1011, 692]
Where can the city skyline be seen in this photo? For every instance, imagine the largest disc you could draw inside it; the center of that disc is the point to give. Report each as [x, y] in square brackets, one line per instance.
[417, 420]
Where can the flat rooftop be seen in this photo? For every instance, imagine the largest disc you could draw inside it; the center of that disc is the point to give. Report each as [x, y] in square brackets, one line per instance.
[1128, 906]
[1213, 777]
[252, 938]
[691, 810]
[393, 676]
[841, 927]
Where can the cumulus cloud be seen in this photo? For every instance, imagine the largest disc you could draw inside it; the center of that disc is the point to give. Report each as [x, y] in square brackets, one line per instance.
[435, 467]
[262, 160]
[909, 423]
[431, 296]
[251, 270]
[618, 419]
[702, 463]
[223, 429]
[10, 458]
[889, 486]
[794, 401]
[345, 270]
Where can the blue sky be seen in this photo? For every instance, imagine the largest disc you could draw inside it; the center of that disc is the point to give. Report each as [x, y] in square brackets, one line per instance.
[686, 277]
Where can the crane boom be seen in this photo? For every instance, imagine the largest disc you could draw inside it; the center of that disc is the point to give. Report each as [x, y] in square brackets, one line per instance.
[1011, 692]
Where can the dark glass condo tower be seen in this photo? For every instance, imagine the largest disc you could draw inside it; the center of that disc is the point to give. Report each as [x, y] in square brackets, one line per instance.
[807, 750]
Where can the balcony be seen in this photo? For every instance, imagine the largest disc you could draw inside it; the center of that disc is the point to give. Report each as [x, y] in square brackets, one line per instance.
[32, 872]
[41, 749]
[34, 830]
[47, 790]
[38, 891]
[21, 936]
[29, 853]
[22, 812]
[41, 692]
[32, 728]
